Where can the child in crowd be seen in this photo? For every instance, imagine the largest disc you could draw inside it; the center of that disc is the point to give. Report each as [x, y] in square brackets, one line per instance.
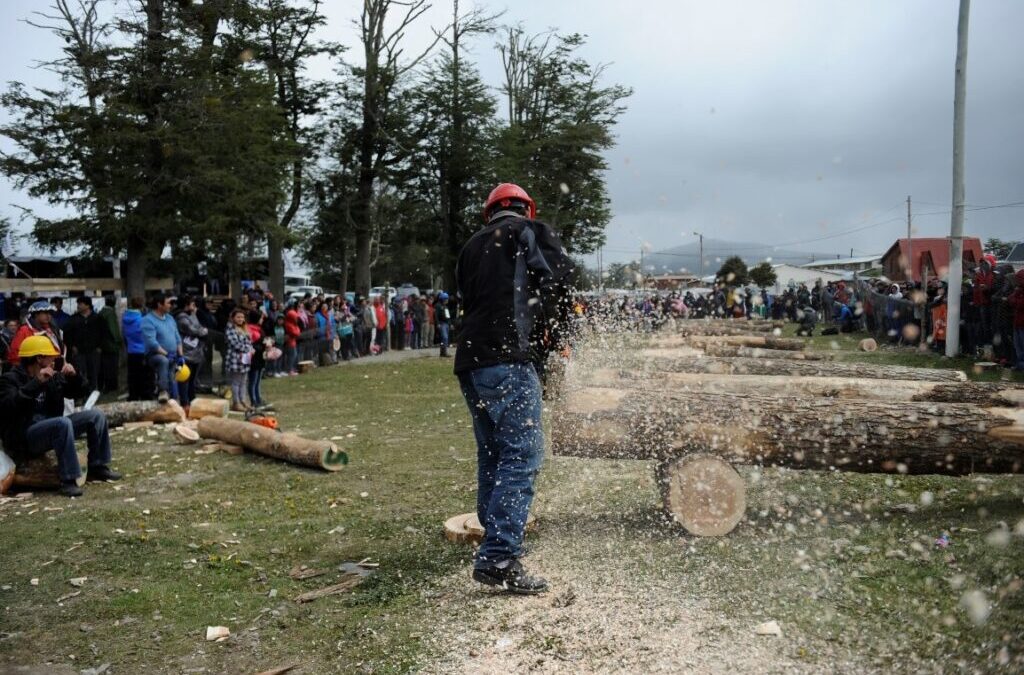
[255, 375]
[238, 358]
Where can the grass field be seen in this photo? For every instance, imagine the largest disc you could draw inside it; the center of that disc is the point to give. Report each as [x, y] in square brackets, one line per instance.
[846, 563]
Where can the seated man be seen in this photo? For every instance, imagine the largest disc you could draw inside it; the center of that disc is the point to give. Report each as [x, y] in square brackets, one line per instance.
[808, 320]
[31, 414]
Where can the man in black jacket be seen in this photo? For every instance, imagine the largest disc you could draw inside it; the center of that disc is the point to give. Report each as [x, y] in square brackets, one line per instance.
[32, 418]
[513, 281]
[84, 334]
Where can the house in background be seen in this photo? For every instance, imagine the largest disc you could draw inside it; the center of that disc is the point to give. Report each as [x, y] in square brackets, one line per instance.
[791, 274]
[861, 264]
[1016, 257]
[928, 256]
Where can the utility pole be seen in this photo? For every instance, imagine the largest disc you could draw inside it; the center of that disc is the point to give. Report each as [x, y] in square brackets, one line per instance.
[642, 268]
[600, 269]
[701, 264]
[956, 228]
[910, 246]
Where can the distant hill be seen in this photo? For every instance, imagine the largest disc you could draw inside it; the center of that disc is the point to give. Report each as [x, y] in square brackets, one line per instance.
[686, 256]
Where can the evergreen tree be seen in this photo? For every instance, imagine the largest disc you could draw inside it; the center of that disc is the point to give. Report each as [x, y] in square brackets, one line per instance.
[733, 272]
[763, 275]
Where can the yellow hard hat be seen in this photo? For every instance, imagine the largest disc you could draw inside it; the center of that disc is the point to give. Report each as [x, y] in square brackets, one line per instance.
[184, 372]
[37, 345]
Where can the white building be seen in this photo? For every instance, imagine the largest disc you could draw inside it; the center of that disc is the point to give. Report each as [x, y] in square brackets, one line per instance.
[786, 274]
[862, 264]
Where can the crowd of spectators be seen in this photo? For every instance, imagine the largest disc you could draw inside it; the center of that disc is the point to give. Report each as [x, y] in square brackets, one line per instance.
[170, 342]
[901, 313]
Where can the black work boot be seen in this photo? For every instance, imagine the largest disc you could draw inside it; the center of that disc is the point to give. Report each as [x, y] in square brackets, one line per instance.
[104, 472]
[69, 488]
[512, 577]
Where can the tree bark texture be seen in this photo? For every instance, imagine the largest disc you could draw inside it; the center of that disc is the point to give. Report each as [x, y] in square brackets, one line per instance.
[989, 394]
[284, 446]
[799, 433]
[666, 362]
[123, 412]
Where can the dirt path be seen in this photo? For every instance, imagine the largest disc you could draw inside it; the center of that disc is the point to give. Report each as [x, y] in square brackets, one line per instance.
[623, 598]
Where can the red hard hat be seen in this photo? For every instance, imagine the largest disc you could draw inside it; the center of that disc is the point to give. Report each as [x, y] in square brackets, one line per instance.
[505, 194]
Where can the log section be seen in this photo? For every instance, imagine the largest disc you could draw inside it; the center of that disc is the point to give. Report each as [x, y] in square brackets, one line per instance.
[284, 446]
[799, 433]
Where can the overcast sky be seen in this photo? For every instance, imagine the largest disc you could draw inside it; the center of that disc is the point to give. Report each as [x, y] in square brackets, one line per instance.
[773, 122]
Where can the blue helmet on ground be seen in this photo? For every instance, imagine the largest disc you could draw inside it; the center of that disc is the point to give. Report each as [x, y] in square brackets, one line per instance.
[41, 306]
[442, 296]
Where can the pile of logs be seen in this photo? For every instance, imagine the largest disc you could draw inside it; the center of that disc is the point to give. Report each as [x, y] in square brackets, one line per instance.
[704, 398]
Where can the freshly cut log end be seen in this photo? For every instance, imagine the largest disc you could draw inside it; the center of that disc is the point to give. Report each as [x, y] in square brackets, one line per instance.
[208, 407]
[868, 345]
[305, 366]
[186, 435]
[455, 530]
[704, 494]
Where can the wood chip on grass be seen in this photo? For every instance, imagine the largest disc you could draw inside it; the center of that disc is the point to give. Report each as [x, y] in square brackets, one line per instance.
[349, 582]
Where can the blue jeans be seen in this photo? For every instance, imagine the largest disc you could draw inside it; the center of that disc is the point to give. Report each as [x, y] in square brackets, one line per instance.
[505, 404]
[1018, 346]
[252, 385]
[291, 359]
[161, 365]
[59, 433]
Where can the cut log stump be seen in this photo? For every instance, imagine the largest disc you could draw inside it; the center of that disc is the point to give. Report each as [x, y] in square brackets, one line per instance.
[306, 366]
[208, 407]
[703, 493]
[465, 528]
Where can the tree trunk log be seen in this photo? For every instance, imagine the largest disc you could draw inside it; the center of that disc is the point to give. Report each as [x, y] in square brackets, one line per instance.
[761, 353]
[663, 361]
[288, 447]
[40, 473]
[119, 414]
[764, 341]
[989, 394]
[799, 433]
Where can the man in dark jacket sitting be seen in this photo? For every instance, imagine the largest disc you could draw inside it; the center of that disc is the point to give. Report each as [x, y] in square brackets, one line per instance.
[32, 415]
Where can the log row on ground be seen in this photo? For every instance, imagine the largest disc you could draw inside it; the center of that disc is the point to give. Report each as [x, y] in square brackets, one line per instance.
[666, 361]
[990, 394]
[799, 433]
[763, 353]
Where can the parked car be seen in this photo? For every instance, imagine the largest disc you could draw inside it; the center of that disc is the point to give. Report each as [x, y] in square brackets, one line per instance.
[300, 292]
[378, 291]
[405, 290]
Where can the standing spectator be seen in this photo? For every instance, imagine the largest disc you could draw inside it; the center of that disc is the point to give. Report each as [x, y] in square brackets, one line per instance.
[83, 335]
[369, 314]
[254, 378]
[60, 317]
[214, 336]
[193, 343]
[291, 341]
[110, 347]
[275, 367]
[982, 299]
[163, 343]
[443, 318]
[7, 334]
[1016, 301]
[38, 322]
[419, 315]
[380, 317]
[238, 358]
[140, 377]
[428, 322]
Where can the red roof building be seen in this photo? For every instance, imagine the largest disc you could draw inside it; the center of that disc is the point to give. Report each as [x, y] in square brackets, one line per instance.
[927, 255]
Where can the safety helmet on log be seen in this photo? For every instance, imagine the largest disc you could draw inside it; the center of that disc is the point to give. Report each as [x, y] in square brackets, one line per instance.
[507, 195]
